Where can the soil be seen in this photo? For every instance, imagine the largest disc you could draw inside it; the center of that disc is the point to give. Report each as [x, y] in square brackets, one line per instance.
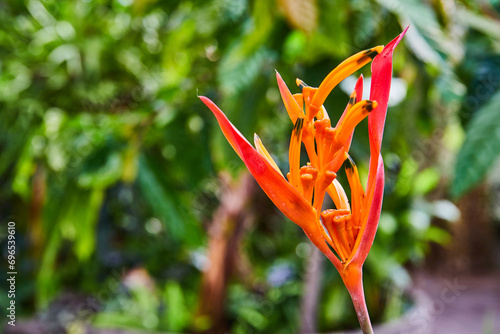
[460, 304]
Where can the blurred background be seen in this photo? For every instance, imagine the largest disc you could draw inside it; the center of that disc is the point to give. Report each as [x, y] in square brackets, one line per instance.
[134, 215]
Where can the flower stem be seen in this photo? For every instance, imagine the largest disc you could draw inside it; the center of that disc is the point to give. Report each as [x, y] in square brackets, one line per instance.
[353, 280]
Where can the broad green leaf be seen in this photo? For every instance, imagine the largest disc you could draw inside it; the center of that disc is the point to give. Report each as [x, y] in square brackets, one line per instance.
[480, 149]
[176, 62]
[238, 72]
[176, 314]
[78, 217]
[46, 280]
[425, 37]
[25, 168]
[244, 60]
[104, 175]
[160, 200]
[482, 23]
[86, 237]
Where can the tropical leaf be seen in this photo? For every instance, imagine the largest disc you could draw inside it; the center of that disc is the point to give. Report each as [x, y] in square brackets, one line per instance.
[239, 72]
[78, 218]
[425, 38]
[480, 149]
[25, 168]
[482, 23]
[176, 314]
[245, 58]
[161, 203]
[46, 280]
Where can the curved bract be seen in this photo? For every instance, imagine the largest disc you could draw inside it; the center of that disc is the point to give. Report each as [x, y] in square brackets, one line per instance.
[349, 228]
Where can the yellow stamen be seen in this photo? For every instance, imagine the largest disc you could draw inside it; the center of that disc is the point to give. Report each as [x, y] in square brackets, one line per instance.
[262, 150]
[346, 68]
[338, 195]
[322, 114]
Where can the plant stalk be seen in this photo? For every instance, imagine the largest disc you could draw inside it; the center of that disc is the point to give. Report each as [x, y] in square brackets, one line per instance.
[353, 280]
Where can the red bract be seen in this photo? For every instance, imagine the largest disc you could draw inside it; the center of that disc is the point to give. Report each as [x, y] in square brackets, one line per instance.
[350, 228]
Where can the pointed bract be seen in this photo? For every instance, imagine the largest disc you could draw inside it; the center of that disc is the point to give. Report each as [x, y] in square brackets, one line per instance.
[293, 109]
[282, 194]
[379, 91]
[368, 231]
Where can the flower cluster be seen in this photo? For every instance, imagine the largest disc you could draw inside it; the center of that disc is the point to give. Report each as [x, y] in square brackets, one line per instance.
[349, 229]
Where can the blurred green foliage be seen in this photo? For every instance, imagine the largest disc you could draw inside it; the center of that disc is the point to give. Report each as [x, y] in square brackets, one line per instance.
[109, 160]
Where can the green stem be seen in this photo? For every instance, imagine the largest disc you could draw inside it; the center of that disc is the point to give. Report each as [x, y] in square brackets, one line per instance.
[353, 280]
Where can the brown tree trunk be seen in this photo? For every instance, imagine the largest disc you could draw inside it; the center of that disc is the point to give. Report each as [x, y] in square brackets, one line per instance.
[35, 228]
[472, 248]
[225, 233]
[474, 235]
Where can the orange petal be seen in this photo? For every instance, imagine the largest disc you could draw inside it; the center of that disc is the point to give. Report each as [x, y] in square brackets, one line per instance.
[356, 96]
[339, 73]
[353, 117]
[300, 100]
[307, 93]
[286, 198]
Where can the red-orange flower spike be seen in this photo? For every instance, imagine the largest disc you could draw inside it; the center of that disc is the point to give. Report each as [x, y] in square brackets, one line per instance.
[348, 229]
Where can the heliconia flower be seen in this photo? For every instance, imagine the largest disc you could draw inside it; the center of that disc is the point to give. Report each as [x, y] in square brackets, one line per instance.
[350, 228]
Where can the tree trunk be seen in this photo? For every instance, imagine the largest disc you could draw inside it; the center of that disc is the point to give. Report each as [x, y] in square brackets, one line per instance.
[225, 233]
